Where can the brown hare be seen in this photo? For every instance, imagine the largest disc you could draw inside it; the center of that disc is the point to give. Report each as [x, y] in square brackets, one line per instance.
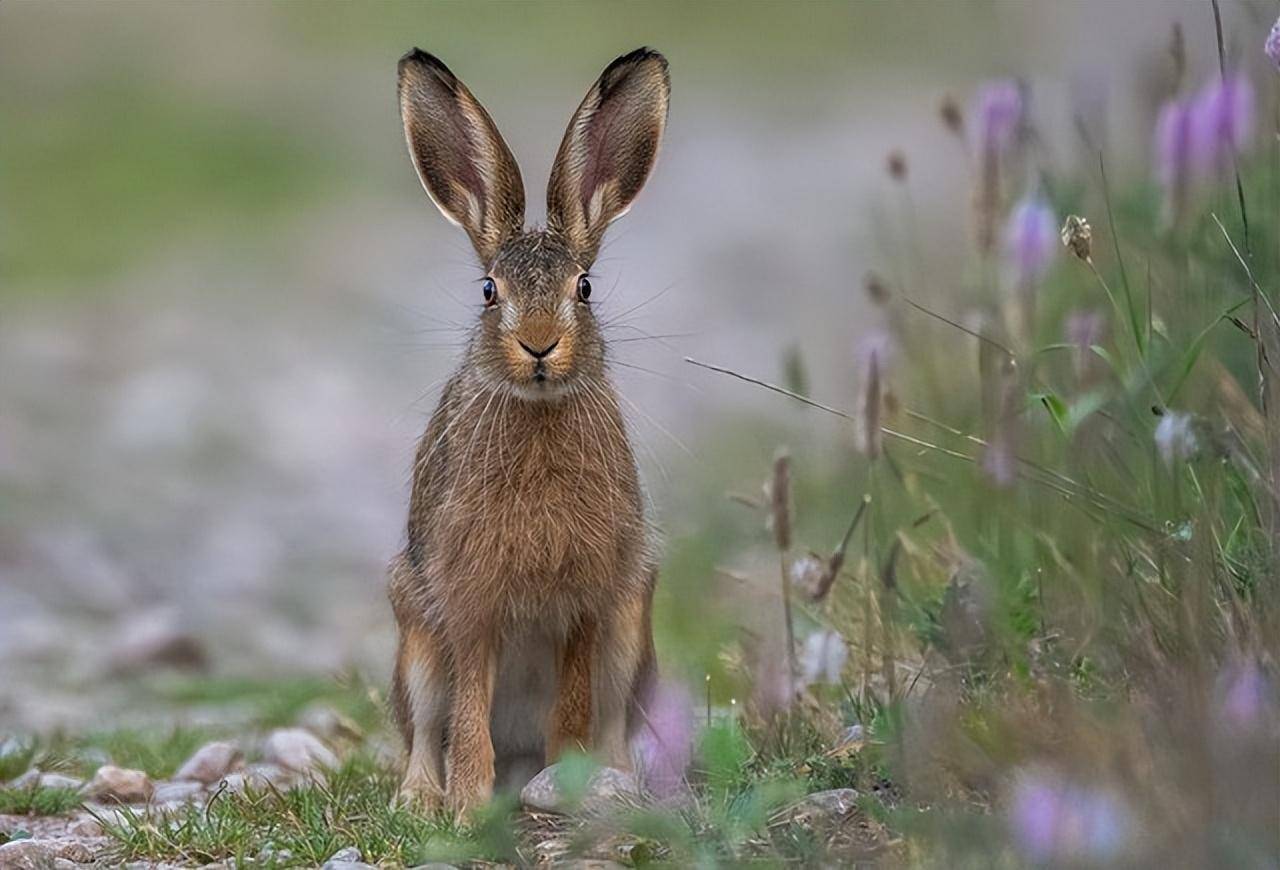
[523, 594]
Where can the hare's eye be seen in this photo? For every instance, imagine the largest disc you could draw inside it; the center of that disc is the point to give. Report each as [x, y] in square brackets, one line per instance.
[584, 289]
[490, 291]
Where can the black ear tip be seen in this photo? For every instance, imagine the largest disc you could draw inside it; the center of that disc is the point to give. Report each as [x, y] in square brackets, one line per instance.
[642, 54]
[622, 67]
[416, 57]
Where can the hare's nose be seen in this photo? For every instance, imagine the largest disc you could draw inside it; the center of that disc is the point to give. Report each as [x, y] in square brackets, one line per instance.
[539, 354]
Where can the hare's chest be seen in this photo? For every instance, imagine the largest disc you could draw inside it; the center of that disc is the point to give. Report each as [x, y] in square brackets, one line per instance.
[538, 520]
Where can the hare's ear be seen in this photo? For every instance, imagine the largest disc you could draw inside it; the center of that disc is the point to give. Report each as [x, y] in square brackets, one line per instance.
[463, 164]
[609, 148]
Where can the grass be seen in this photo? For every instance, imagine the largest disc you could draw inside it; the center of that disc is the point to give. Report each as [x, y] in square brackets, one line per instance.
[38, 801]
[736, 817]
[301, 827]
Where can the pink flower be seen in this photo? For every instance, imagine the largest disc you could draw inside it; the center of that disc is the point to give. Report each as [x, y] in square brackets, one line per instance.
[664, 742]
[1223, 122]
[1173, 150]
[1031, 239]
[1245, 696]
[1055, 821]
[996, 115]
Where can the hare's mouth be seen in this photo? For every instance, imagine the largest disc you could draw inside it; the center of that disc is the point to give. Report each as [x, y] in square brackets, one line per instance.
[542, 389]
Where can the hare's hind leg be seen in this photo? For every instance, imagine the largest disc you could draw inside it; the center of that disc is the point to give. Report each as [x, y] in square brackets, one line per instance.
[420, 689]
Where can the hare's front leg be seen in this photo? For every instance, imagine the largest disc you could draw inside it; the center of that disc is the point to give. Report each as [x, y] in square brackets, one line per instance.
[420, 689]
[570, 725]
[470, 758]
[624, 671]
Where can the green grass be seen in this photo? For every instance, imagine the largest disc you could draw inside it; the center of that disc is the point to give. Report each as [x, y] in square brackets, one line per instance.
[354, 807]
[38, 801]
[98, 193]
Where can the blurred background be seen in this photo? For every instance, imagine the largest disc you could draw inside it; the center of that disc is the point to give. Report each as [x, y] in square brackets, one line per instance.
[226, 306]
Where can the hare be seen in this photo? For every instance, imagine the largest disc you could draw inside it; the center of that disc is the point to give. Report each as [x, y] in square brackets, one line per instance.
[522, 597]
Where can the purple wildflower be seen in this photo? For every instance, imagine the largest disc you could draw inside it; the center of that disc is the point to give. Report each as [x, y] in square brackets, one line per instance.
[1272, 45]
[1223, 122]
[1244, 696]
[997, 115]
[1031, 239]
[1173, 147]
[665, 743]
[1055, 821]
[996, 122]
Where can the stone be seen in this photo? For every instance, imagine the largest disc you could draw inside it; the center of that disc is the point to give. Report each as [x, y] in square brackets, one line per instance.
[67, 849]
[323, 720]
[260, 777]
[211, 762]
[153, 639]
[26, 855]
[823, 808]
[347, 859]
[606, 786]
[86, 826]
[176, 793]
[36, 779]
[121, 784]
[298, 750]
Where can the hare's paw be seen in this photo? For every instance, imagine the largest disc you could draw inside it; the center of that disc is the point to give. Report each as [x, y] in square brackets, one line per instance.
[467, 796]
[420, 794]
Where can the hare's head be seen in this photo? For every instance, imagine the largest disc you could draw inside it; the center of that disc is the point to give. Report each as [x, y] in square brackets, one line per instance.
[537, 332]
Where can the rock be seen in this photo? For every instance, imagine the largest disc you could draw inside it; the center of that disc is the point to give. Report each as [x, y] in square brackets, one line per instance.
[211, 762]
[347, 859]
[261, 777]
[176, 793]
[269, 854]
[75, 851]
[35, 779]
[113, 783]
[26, 855]
[298, 750]
[824, 808]
[155, 639]
[606, 786]
[86, 826]
[321, 719]
[273, 775]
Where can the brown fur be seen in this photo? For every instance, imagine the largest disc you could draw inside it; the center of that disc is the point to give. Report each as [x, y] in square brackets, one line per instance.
[523, 594]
